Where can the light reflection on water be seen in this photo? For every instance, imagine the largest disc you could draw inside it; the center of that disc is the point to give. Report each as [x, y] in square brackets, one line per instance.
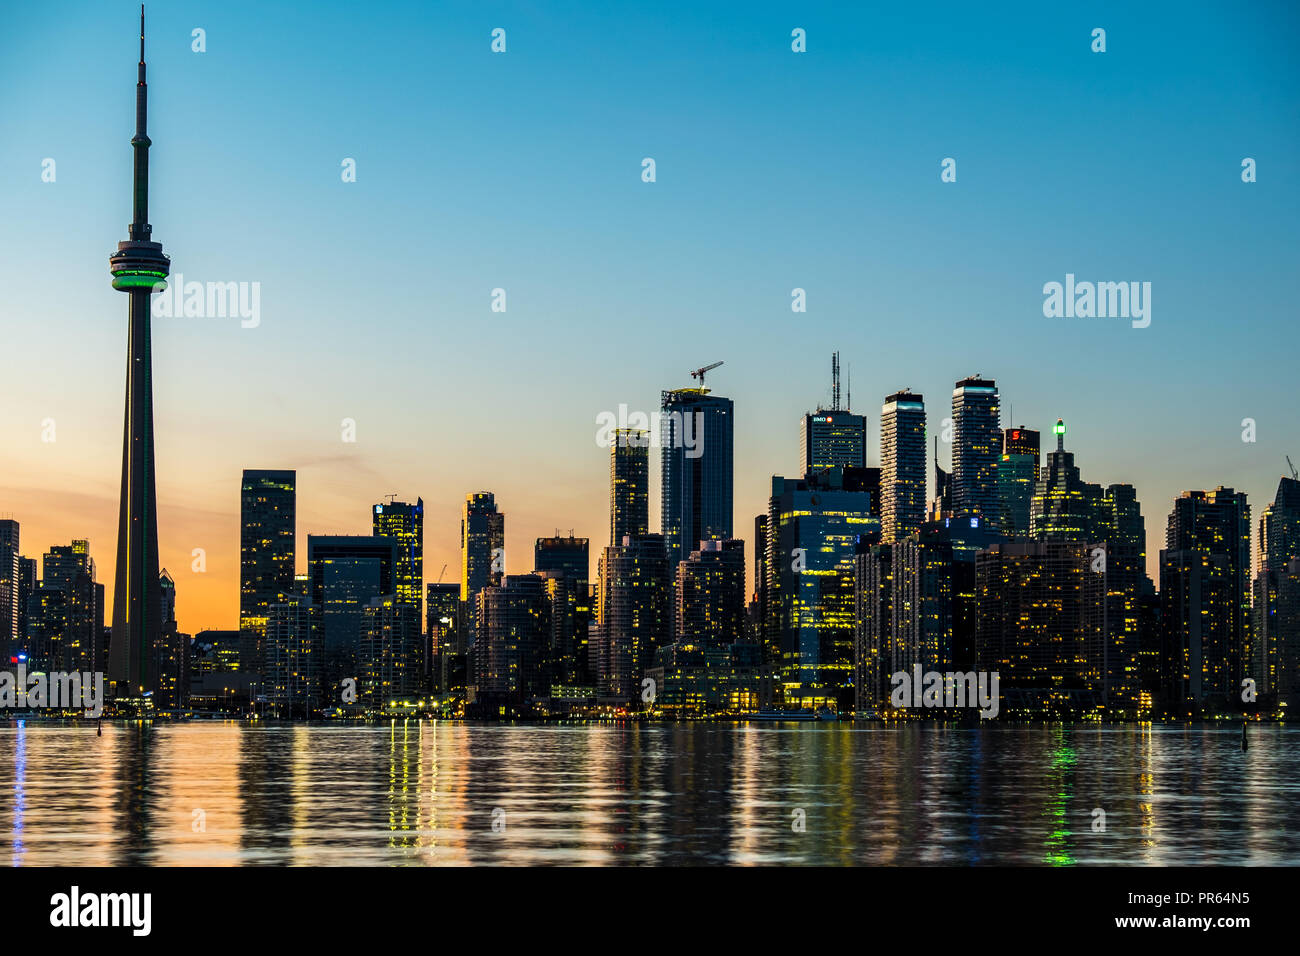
[421, 792]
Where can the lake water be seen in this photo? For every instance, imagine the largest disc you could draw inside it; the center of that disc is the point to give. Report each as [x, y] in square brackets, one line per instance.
[434, 793]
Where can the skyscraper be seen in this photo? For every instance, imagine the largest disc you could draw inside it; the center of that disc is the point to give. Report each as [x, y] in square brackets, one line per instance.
[391, 662]
[563, 564]
[482, 544]
[813, 527]
[1274, 659]
[710, 595]
[9, 555]
[566, 554]
[27, 583]
[629, 484]
[635, 612]
[1205, 604]
[403, 524]
[295, 657]
[1041, 626]
[873, 601]
[139, 269]
[1017, 476]
[976, 445]
[902, 465]
[446, 650]
[513, 628]
[1125, 572]
[832, 437]
[696, 439]
[71, 569]
[267, 536]
[173, 651]
[345, 573]
[1064, 506]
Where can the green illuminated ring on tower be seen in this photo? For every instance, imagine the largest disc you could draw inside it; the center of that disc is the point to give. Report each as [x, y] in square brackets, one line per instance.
[140, 279]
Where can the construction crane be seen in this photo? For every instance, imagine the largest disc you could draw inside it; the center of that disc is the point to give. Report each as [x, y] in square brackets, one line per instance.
[1294, 475]
[699, 372]
[441, 573]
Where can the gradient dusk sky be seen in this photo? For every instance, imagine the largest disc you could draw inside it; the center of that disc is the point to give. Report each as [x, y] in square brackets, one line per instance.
[522, 171]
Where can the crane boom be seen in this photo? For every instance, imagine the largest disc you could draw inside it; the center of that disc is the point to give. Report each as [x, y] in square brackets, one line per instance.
[699, 372]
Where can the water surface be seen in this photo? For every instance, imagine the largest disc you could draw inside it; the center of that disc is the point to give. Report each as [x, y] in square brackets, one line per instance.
[433, 793]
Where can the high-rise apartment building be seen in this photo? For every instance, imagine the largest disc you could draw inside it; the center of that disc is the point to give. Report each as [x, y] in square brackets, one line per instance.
[513, 629]
[1205, 602]
[976, 448]
[635, 613]
[403, 524]
[902, 465]
[267, 553]
[10, 552]
[629, 484]
[1273, 660]
[1041, 627]
[392, 664]
[710, 595]
[482, 544]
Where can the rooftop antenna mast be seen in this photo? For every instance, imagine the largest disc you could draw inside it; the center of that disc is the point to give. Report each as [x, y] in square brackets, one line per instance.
[835, 381]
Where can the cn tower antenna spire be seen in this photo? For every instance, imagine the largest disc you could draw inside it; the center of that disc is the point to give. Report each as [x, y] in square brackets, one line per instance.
[140, 228]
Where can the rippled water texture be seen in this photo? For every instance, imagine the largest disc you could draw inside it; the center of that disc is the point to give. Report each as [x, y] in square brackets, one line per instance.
[439, 793]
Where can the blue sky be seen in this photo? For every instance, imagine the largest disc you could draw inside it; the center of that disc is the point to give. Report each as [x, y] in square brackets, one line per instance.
[522, 171]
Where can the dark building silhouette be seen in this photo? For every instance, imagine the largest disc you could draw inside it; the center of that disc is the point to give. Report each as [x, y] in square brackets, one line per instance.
[392, 663]
[710, 595]
[513, 629]
[629, 484]
[695, 451]
[344, 574]
[976, 446]
[172, 650]
[482, 554]
[1041, 626]
[569, 555]
[267, 555]
[1205, 604]
[1274, 657]
[294, 684]
[445, 651]
[563, 563]
[635, 613]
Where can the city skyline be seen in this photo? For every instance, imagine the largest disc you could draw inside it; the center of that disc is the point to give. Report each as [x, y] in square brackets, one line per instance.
[1165, 415]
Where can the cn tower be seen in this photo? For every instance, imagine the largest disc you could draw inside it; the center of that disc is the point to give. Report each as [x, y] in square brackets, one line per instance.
[139, 269]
